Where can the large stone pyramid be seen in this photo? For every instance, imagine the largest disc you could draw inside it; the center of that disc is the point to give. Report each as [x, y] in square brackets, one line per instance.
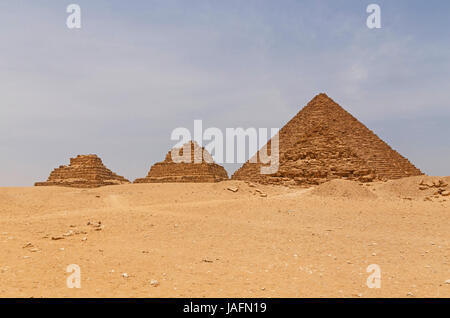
[84, 171]
[190, 171]
[324, 142]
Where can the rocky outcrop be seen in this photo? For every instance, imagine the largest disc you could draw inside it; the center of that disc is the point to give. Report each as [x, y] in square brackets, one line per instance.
[198, 166]
[84, 171]
[324, 142]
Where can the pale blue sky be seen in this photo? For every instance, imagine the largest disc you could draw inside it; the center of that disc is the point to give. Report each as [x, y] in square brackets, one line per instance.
[138, 69]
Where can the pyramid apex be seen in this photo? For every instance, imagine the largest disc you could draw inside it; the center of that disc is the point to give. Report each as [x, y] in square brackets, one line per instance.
[321, 97]
[87, 156]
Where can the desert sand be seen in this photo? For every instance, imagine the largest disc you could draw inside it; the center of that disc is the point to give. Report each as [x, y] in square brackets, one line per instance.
[204, 240]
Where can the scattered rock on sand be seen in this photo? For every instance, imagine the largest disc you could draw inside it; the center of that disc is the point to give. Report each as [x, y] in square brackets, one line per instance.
[261, 194]
[233, 189]
[418, 187]
[98, 226]
[70, 233]
[154, 283]
[426, 184]
[55, 238]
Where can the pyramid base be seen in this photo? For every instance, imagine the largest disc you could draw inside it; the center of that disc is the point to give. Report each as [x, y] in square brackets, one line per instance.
[180, 179]
[80, 183]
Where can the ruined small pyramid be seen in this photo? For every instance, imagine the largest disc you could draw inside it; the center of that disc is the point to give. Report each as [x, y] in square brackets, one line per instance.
[324, 142]
[202, 169]
[84, 171]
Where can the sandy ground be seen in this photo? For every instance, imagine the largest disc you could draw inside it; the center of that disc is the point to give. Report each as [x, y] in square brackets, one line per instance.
[202, 240]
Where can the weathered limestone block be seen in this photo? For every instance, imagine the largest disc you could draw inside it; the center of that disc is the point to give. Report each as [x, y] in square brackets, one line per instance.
[84, 171]
[205, 170]
[324, 142]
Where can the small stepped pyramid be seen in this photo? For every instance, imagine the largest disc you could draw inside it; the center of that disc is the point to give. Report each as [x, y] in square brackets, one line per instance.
[324, 142]
[84, 171]
[170, 171]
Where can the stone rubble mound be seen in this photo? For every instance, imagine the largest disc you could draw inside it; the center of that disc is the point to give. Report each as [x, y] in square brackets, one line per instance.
[84, 171]
[189, 171]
